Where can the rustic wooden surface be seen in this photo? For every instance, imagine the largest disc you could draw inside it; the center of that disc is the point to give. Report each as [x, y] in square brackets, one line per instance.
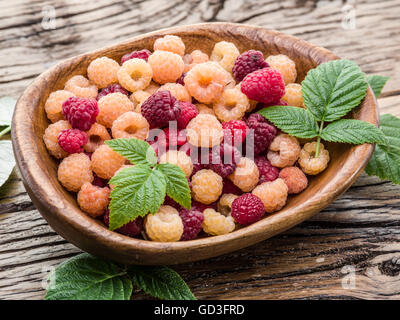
[350, 250]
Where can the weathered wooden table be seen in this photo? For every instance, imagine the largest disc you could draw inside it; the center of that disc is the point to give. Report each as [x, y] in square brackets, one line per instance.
[350, 250]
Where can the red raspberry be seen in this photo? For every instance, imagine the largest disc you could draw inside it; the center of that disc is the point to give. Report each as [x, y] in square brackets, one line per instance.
[264, 85]
[160, 108]
[72, 140]
[112, 88]
[97, 181]
[263, 132]
[171, 202]
[81, 113]
[223, 159]
[267, 171]
[175, 137]
[247, 209]
[198, 206]
[235, 131]
[188, 112]
[248, 62]
[181, 79]
[142, 54]
[192, 223]
[130, 229]
[230, 187]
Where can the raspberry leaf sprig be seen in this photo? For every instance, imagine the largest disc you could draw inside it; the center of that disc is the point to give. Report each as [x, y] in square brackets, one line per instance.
[329, 92]
[141, 189]
[7, 160]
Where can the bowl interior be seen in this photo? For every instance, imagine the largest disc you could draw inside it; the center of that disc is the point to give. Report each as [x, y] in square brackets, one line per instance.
[60, 209]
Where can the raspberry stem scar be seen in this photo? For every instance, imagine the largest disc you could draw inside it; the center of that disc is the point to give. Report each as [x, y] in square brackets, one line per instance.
[319, 139]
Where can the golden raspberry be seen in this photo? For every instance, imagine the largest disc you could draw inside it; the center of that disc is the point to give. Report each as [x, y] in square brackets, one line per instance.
[103, 72]
[273, 194]
[97, 134]
[307, 161]
[112, 106]
[206, 81]
[130, 125]
[284, 151]
[217, 224]
[152, 87]
[246, 175]
[74, 171]
[93, 200]
[81, 87]
[179, 158]
[285, 66]
[293, 95]
[252, 103]
[178, 91]
[54, 102]
[50, 138]
[294, 178]
[204, 109]
[165, 225]
[204, 130]
[170, 43]
[225, 203]
[206, 186]
[105, 161]
[231, 106]
[196, 57]
[166, 66]
[135, 74]
[225, 53]
[138, 97]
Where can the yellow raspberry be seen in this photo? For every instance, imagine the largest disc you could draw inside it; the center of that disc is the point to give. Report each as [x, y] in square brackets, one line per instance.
[246, 175]
[112, 106]
[273, 194]
[179, 158]
[196, 57]
[204, 109]
[93, 200]
[81, 87]
[53, 104]
[152, 87]
[178, 91]
[204, 130]
[285, 65]
[135, 74]
[170, 43]
[74, 171]
[252, 103]
[307, 161]
[231, 106]
[216, 224]
[50, 138]
[103, 72]
[97, 134]
[166, 66]
[105, 161]
[138, 97]
[206, 81]
[165, 225]
[225, 203]
[293, 95]
[225, 53]
[284, 151]
[206, 186]
[130, 125]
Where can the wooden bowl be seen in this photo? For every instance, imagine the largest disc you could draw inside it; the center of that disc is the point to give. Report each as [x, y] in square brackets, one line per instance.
[60, 209]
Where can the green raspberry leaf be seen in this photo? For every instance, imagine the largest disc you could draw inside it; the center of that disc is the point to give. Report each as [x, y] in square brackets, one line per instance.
[352, 131]
[85, 277]
[7, 105]
[177, 184]
[333, 89]
[135, 150]
[138, 190]
[160, 282]
[295, 121]
[385, 161]
[7, 160]
[377, 83]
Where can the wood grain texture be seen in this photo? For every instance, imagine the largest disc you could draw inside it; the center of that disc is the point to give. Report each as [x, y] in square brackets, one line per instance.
[361, 229]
